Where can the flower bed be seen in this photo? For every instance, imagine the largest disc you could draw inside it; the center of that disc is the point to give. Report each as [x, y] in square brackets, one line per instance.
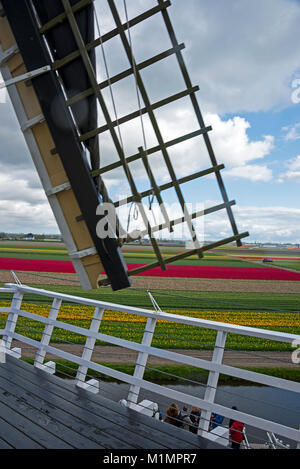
[179, 271]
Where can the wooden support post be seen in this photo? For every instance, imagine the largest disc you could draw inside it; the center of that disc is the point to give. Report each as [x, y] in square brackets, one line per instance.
[141, 362]
[41, 353]
[91, 385]
[212, 383]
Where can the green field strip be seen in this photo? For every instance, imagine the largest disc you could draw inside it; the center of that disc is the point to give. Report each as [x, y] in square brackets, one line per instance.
[288, 265]
[186, 300]
[17, 255]
[33, 249]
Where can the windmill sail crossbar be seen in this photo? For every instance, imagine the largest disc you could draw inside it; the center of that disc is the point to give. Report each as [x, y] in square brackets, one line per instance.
[136, 114]
[60, 36]
[124, 74]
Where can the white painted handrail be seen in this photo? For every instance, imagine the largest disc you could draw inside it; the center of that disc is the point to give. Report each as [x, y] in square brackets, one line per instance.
[144, 349]
[204, 323]
[162, 353]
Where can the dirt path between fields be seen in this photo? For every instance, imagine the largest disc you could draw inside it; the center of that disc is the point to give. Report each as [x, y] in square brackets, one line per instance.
[111, 354]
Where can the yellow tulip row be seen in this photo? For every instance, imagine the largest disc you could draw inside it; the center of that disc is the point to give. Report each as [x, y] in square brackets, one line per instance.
[252, 319]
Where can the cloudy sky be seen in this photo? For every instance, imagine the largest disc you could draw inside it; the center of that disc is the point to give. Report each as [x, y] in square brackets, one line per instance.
[245, 57]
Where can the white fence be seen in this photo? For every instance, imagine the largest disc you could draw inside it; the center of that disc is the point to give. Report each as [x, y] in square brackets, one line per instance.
[144, 349]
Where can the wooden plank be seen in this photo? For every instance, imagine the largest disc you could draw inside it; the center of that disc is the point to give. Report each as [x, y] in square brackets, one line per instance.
[20, 416]
[111, 421]
[135, 424]
[176, 437]
[4, 444]
[101, 426]
[16, 438]
[62, 422]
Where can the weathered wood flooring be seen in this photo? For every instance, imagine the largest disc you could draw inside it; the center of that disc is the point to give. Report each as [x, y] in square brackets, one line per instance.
[38, 410]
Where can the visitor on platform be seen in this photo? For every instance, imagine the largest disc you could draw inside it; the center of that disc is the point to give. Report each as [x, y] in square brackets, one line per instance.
[172, 414]
[195, 418]
[236, 430]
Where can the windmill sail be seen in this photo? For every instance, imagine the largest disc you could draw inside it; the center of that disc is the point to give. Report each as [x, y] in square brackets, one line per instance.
[58, 112]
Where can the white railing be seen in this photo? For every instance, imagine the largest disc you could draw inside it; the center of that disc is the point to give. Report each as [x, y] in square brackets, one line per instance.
[144, 349]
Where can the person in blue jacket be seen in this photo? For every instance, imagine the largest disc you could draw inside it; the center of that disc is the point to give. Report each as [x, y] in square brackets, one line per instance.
[215, 420]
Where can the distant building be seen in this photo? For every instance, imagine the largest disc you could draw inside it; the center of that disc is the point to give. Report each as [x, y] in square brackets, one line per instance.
[29, 237]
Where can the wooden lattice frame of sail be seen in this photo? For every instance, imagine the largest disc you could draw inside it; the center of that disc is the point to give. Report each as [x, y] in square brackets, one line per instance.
[63, 183]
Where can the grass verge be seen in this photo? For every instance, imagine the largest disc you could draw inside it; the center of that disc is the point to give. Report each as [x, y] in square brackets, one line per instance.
[176, 374]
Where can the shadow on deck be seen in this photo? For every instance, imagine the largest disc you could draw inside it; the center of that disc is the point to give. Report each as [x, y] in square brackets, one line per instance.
[38, 410]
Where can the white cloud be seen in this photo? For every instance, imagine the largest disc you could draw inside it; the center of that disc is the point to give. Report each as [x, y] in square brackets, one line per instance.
[293, 176]
[21, 187]
[242, 54]
[293, 132]
[22, 217]
[294, 163]
[253, 172]
[266, 224]
[270, 223]
[293, 172]
[232, 143]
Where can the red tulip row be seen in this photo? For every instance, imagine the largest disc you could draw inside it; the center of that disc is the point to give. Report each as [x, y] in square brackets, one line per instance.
[180, 271]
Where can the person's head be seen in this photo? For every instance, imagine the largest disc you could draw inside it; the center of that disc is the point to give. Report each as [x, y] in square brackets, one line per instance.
[195, 409]
[172, 410]
[185, 408]
[155, 407]
[234, 407]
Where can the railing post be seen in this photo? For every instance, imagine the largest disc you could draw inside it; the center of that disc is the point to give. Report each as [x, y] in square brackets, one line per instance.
[91, 385]
[212, 382]
[141, 362]
[41, 353]
[11, 323]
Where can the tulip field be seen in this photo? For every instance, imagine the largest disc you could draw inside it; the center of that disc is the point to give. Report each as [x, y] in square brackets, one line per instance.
[167, 335]
[273, 308]
[213, 266]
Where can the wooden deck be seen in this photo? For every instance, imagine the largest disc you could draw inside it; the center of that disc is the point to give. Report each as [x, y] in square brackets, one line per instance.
[38, 410]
